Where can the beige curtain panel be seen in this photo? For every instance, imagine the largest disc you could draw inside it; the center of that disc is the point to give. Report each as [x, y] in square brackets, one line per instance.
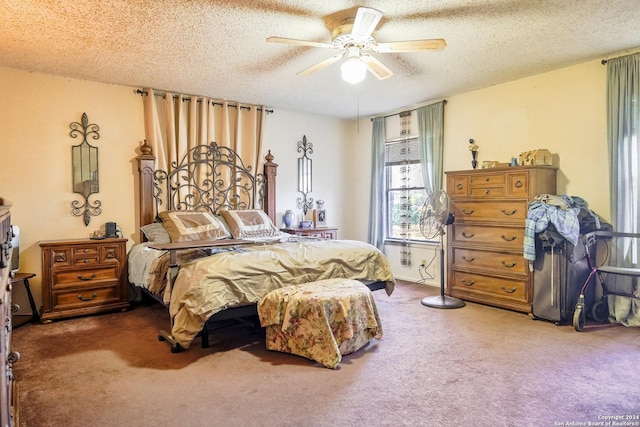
[174, 123]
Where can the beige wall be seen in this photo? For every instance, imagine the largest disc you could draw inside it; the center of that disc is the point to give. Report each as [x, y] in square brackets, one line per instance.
[563, 111]
[329, 138]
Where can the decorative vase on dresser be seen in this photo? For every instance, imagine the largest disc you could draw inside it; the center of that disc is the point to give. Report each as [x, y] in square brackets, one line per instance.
[288, 218]
[485, 243]
[83, 276]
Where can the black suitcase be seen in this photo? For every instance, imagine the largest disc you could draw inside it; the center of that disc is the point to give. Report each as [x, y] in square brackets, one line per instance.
[560, 271]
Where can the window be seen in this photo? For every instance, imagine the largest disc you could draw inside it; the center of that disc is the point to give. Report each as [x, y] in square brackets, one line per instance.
[405, 189]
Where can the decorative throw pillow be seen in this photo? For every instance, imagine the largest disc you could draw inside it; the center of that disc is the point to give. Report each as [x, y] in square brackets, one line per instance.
[187, 226]
[249, 223]
[156, 233]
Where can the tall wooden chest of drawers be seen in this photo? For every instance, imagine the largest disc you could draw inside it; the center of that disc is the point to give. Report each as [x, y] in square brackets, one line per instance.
[83, 276]
[485, 243]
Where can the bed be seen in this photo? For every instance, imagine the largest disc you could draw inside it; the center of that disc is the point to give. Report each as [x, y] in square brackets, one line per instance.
[209, 248]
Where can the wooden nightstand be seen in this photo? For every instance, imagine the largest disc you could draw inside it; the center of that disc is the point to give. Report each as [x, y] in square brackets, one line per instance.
[83, 276]
[322, 232]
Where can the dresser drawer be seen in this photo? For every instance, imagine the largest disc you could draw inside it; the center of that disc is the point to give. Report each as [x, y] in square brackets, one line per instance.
[86, 297]
[485, 287]
[503, 263]
[510, 238]
[487, 180]
[518, 184]
[84, 277]
[487, 192]
[458, 186]
[475, 210]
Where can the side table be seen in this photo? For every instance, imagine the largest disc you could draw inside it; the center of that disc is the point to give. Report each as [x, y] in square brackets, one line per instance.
[24, 278]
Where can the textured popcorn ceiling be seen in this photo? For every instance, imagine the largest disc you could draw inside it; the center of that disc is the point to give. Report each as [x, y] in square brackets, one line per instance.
[217, 48]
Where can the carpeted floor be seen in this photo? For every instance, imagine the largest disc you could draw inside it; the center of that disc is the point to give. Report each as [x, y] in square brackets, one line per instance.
[472, 366]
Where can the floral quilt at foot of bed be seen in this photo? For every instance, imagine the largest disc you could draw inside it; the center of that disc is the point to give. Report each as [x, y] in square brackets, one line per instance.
[321, 321]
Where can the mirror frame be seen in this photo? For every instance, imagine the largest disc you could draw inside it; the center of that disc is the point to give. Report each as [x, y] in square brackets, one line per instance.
[84, 169]
[305, 175]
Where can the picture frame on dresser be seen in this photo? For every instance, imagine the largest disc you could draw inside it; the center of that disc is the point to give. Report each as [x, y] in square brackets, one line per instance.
[319, 218]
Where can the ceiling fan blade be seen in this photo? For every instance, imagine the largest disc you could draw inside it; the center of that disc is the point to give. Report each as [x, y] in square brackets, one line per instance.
[274, 39]
[409, 46]
[376, 67]
[320, 65]
[365, 22]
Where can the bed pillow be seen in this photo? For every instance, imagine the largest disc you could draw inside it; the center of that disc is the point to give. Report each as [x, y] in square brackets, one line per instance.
[156, 233]
[249, 223]
[188, 226]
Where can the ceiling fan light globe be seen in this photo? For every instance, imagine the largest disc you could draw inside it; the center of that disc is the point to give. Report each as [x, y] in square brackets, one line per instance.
[353, 70]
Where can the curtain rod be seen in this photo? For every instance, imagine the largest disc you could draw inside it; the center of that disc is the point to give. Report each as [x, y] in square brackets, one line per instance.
[410, 109]
[188, 98]
[620, 55]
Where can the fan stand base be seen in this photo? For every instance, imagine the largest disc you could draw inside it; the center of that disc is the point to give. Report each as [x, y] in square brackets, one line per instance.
[442, 301]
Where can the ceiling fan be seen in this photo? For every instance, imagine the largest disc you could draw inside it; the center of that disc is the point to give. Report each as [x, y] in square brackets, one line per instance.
[353, 38]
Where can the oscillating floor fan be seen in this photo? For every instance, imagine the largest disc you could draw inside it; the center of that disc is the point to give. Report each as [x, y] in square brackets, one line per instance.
[434, 217]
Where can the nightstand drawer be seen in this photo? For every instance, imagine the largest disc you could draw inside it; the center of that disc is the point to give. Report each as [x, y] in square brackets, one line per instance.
[329, 233]
[84, 277]
[110, 253]
[85, 297]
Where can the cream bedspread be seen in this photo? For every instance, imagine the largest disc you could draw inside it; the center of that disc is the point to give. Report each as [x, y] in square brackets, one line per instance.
[206, 286]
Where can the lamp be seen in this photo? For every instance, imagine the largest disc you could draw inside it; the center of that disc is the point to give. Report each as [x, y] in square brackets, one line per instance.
[353, 69]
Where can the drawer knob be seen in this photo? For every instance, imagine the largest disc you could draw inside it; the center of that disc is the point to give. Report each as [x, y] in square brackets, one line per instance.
[511, 212]
[13, 357]
[459, 186]
[518, 184]
[60, 257]
[15, 308]
[81, 277]
[508, 239]
[81, 298]
[468, 211]
[468, 283]
[471, 259]
[509, 291]
[508, 265]
[468, 235]
[111, 254]
[486, 191]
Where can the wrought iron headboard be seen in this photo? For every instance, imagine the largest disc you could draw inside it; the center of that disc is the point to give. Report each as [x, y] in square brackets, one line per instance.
[208, 177]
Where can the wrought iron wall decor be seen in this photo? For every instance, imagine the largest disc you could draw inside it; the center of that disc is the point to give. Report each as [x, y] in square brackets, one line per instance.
[304, 175]
[84, 160]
